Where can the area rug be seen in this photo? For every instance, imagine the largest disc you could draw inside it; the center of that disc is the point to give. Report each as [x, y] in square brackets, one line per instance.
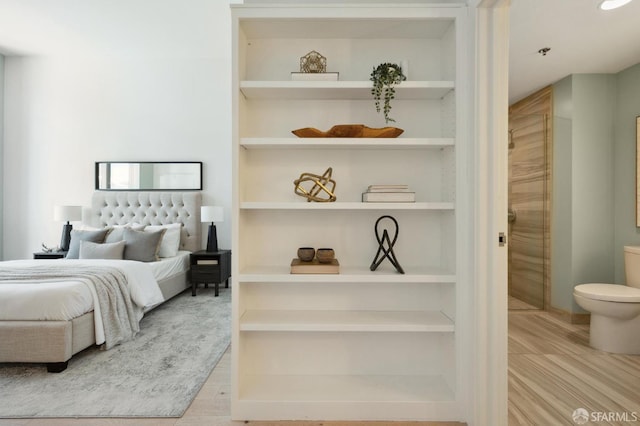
[156, 375]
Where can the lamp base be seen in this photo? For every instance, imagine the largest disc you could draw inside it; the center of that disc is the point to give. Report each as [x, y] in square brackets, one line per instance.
[66, 237]
[212, 239]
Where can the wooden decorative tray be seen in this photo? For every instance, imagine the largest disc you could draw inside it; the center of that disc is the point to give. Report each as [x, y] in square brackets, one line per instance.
[349, 131]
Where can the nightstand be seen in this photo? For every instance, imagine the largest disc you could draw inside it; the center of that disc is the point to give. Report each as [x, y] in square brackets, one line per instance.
[210, 267]
[50, 255]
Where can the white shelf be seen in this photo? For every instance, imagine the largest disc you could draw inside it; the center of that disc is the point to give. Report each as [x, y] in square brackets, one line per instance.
[340, 90]
[333, 320]
[344, 398]
[286, 205]
[346, 143]
[264, 274]
[345, 388]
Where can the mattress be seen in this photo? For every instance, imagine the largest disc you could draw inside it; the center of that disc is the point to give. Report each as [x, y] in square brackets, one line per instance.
[65, 300]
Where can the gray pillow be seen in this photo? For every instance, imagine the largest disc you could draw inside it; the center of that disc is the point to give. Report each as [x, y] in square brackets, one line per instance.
[116, 232]
[89, 250]
[77, 236]
[142, 246]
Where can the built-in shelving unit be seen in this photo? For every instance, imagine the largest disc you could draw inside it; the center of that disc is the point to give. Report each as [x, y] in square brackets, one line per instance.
[361, 344]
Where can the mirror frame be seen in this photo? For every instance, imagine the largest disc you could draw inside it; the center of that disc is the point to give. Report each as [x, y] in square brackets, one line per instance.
[197, 187]
[638, 171]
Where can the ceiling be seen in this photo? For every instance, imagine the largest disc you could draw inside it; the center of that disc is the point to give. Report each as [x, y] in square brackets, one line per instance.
[582, 38]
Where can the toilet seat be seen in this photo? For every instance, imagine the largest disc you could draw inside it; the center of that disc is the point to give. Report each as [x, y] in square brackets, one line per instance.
[608, 292]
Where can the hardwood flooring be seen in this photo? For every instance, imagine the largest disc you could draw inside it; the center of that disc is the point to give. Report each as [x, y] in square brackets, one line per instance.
[517, 304]
[552, 372]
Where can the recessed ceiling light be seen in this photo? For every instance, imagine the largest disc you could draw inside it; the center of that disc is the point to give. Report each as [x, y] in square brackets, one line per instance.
[612, 4]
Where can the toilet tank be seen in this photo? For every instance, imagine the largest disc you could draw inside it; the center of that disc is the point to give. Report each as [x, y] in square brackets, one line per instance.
[632, 266]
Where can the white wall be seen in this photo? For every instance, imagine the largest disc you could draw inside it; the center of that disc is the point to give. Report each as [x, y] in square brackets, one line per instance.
[583, 195]
[627, 109]
[63, 113]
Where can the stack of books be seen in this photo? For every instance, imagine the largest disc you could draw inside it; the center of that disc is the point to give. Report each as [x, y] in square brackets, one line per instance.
[314, 267]
[388, 194]
[314, 76]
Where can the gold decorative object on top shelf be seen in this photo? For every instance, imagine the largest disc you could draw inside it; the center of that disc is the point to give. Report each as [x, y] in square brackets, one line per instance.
[349, 131]
[313, 62]
[321, 184]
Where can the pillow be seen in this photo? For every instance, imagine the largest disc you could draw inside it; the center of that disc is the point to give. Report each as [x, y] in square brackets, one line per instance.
[77, 236]
[89, 250]
[85, 227]
[116, 232]
[142, 246]
[170, 241]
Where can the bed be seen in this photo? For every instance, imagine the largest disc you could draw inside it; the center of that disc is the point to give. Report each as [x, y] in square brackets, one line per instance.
[54, 342]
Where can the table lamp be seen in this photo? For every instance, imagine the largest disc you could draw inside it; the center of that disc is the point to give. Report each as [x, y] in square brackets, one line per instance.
[212, 214]
[66, 214]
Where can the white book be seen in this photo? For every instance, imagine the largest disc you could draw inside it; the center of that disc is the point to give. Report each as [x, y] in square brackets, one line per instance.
[389, 197]
[388, 188]
[314, 76]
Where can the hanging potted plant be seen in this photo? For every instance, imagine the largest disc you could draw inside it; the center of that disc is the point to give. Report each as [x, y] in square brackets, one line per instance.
[385, 76]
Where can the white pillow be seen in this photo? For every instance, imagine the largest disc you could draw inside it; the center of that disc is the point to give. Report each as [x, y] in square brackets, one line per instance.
[90, 250]
[170, 243]
[85, 227]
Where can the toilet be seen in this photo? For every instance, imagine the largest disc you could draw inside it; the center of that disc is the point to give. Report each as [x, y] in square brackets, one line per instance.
[615, 309]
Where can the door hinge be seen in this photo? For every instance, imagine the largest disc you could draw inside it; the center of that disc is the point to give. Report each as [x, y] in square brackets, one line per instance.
[502, 239]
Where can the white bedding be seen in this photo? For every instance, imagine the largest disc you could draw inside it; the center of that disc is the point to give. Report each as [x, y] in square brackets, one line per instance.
[65, 300]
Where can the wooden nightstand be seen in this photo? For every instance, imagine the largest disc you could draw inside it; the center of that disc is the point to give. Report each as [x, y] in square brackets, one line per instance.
[50, 255]
[210, 267]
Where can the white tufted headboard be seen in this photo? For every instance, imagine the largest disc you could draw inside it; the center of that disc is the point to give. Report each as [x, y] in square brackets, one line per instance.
[150, 208]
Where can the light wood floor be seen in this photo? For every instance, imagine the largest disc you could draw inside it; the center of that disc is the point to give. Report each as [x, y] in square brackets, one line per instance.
[552, 372]
[517, 304]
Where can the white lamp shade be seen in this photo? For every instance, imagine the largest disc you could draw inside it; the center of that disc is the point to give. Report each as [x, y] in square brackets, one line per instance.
[67, 213]
[211, 214]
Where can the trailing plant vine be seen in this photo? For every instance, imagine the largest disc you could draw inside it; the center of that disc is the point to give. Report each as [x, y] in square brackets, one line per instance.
[385, 76]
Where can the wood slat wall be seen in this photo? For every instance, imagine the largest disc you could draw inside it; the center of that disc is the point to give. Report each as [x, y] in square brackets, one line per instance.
[530, 161]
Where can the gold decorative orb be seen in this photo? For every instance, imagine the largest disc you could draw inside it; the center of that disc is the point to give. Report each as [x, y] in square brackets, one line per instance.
[322, 187]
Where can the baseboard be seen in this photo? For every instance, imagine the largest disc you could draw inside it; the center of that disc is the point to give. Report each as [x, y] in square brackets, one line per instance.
[570, 317]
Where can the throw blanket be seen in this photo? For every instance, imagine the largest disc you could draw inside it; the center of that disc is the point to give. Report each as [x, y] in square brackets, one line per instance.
[118, 313]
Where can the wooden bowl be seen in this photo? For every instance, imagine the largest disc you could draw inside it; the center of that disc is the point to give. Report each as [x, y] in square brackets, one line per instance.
[306, 254]
[349, 131]
[325, 255]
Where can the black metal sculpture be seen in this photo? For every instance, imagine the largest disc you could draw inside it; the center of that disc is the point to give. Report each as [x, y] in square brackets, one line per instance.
[386, 253]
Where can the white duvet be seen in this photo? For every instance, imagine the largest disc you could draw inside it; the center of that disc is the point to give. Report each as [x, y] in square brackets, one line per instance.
[68, 299]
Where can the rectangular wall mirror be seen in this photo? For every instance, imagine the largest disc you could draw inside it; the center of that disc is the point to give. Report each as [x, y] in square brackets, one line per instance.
[148, 176]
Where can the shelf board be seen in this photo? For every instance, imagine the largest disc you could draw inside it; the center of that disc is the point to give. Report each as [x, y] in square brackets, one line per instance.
[341, 320]
[346, 143]
[343, 27]
[357, 205]
[340, 90]
[265, 274]
[345, 388]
